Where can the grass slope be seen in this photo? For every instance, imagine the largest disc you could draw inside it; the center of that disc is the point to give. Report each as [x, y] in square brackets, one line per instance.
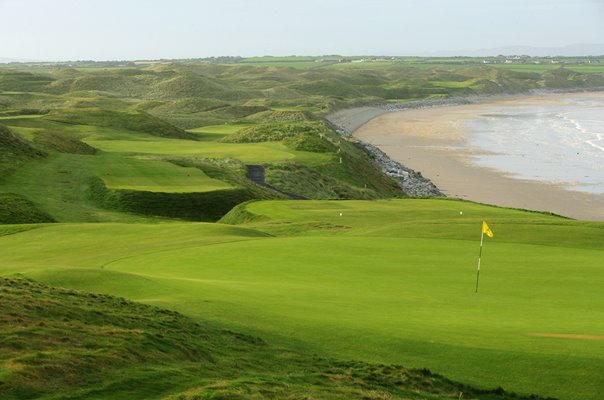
[256, 114]
[132, 121]
[156, 176]
[60, 343]
[15, 209]
[14, 151]
[387, 282]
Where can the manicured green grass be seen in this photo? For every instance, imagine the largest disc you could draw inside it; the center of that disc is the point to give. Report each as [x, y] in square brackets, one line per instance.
[60, 186]
[538, 68]
[246, 152]
[217, 132]
[222, 129]
[288, 62]
[62, 343]
[64, 179]
[156, 176]
[21, 116]
[367, 65]
[589, 69]
[291, 64]
[292, 108]
[385, 281]
[454, 84]
[269, 59]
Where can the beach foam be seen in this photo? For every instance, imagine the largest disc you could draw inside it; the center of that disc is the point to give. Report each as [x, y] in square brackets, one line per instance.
[561, 142]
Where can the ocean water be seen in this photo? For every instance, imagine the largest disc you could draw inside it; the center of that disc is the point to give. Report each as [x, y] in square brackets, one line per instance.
[558, 143]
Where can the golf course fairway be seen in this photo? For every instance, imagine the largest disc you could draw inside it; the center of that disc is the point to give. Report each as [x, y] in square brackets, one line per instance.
[388, 281]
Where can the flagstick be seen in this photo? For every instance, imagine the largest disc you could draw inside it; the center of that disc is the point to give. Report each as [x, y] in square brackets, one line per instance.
[479, 257]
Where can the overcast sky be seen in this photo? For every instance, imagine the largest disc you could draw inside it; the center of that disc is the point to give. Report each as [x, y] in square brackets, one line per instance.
[140, 29]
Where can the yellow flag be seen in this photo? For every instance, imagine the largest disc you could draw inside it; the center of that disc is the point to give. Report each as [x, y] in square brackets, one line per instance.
[486, 229]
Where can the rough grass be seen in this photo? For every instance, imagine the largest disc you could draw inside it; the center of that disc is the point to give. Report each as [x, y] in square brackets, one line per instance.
[296, 178]
[132, 121]
[271, 132]
[60, 343]
[194, 206]
[14, 152]
[15, 209]
[62, 143]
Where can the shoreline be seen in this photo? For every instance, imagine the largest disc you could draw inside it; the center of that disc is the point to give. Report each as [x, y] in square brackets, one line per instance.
[432, 140]
[348, 120]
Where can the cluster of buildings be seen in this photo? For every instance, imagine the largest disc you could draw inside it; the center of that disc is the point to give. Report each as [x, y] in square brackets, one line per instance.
[524, 59]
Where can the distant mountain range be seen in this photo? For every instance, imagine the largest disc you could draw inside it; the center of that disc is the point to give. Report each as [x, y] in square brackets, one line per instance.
[572, 50]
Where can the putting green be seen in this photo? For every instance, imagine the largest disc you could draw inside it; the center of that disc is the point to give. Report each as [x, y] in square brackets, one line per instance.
[387, 281]
[156, 176]
[246, 152]
[211, 133]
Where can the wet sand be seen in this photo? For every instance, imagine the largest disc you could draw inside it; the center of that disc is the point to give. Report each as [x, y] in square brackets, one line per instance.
[434, 142]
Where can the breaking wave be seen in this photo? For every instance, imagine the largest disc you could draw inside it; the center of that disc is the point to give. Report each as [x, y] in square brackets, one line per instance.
[558, 143]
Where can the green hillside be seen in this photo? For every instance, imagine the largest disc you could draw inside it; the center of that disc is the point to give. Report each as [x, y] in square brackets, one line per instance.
[129, 121]
[14, 151]
[15, 209]
[256, 111]
[387, 282]
[60, 343]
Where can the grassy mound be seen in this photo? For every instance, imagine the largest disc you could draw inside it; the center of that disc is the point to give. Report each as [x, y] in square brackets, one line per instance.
[14, 151]
[78, 344]
[311, 142]
[62, 143]
[275, 132]
[296, 178]
[192, 83]
[15, 81]
[15, 209]
[60, 343]
[272, 116]
[132, 121]
[193, 206]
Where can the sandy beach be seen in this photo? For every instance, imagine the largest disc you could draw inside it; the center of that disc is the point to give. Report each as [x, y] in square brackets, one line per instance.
[434, 141]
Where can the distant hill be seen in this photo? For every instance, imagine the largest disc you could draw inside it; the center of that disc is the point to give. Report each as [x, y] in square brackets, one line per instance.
[10, 60]
[572, 50]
